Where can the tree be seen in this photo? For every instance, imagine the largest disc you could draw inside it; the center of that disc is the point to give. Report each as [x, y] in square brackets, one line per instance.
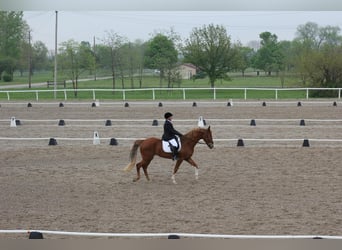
[75, 58]
[312, 36]
[318, 51]
[12, 29]
[133, 60]
[139, 54]
[269, 57]
[161, 54]
[39, 56]
[209, 48]
[114, 42]
[243, 58]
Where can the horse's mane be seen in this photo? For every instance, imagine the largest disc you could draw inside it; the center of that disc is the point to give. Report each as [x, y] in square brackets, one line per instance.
[193, 130]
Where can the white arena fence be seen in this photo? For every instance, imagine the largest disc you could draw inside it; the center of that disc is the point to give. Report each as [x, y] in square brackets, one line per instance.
[169, 235]
[152, 93]
[205, 103]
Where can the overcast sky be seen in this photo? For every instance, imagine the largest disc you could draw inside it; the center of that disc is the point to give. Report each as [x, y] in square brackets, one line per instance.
[243, 26]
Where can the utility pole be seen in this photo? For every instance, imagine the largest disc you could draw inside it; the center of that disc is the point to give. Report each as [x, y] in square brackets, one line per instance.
[94, 48]
[55, 73]
[30, 59]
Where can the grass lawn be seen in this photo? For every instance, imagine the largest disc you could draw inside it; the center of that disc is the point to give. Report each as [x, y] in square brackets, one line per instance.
[225, 89]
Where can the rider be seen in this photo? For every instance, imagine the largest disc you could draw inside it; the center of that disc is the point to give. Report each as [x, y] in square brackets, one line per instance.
[170, 133]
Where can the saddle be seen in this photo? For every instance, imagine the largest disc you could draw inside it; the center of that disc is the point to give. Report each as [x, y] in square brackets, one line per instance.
[174, 142]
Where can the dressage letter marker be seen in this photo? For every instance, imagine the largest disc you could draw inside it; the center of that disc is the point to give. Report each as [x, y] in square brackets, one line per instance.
[13, 123]
[96, 140]
[200, 122]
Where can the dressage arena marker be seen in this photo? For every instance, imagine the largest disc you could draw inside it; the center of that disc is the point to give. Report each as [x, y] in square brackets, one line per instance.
[40, 233]
[155, 123]
[61, 105]
[306, 143]
[61, 123]
[13, 122]
[253, 122]
[52, 142]
[108, 123]
[113, 142]
[240, 143]
[96, 140]
[201, 122]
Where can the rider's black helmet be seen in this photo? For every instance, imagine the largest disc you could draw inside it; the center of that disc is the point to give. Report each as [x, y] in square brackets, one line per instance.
[167, 115]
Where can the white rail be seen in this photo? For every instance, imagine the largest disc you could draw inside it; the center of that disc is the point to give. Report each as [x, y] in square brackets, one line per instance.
[188, 235]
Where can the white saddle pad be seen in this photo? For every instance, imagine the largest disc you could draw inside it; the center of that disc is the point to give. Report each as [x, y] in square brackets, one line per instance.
[166, 145]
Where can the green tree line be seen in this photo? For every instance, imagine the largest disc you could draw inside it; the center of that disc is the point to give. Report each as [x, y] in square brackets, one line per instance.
[314, 55]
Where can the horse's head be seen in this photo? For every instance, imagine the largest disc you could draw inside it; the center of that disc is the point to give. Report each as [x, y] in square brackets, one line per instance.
[208, 138]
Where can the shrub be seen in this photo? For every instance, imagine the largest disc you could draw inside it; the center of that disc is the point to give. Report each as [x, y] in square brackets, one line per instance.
[7, 77]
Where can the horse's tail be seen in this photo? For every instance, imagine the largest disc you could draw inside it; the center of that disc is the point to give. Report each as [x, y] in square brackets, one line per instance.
[133, 155]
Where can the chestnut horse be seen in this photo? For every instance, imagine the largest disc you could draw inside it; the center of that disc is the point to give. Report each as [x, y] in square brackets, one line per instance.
[153, 146]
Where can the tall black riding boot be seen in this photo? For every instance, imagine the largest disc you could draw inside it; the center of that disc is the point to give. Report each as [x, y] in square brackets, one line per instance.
[174, 152]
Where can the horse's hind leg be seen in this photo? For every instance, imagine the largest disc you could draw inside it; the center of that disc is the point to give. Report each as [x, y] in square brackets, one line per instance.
[145, 172]
[138, 172]
[173, 177]
[144, 165]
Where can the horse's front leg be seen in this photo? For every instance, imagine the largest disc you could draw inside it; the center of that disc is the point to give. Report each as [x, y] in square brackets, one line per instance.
[194, 164]
[175, 171]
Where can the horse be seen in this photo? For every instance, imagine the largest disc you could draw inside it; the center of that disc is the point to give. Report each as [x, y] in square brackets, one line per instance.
[153, 146]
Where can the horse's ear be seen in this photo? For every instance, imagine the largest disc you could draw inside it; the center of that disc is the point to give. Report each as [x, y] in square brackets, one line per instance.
[209, 128]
